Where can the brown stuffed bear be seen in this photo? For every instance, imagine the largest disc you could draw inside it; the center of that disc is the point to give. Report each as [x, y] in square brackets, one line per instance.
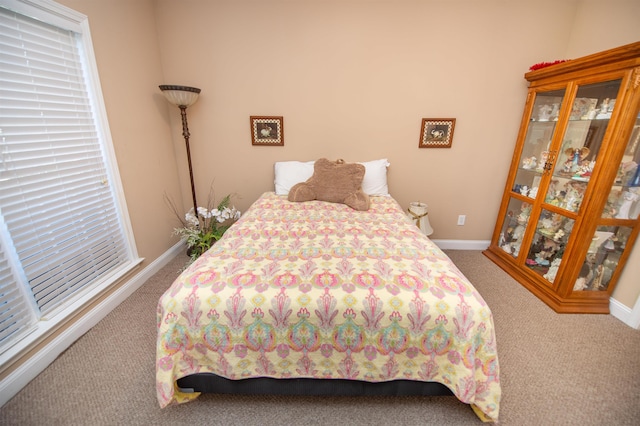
[333, 181]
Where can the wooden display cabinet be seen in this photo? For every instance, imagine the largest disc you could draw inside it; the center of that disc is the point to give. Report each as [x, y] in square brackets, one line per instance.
[569, 213]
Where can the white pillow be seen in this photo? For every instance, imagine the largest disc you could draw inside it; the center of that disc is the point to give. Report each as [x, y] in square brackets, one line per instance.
[375, 177]
[288, 173]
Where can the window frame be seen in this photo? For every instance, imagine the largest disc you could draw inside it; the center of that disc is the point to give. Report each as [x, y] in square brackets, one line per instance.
[63, 17]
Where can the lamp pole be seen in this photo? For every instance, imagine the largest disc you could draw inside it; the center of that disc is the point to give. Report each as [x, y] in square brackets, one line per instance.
[185, 133]
[183, 97]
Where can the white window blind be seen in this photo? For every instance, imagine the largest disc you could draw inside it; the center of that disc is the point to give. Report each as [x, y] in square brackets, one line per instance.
[16, 314]
[57, 200]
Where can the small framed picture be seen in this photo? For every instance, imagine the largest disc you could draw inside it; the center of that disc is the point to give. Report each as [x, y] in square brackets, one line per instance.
[267, 131]
[437, 132]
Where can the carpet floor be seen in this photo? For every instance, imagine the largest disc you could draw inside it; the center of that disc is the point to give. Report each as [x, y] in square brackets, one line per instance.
[555, 370]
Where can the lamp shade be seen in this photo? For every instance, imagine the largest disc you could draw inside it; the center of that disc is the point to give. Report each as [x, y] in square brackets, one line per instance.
[180, 95]
[419, 214]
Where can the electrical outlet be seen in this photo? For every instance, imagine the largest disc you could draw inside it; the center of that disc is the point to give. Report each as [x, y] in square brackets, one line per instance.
[461, 219]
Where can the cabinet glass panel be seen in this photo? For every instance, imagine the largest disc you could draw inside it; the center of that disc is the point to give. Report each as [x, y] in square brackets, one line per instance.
[548, 245]
[514, 226]
[588, 121]
[535, 152]
[602, 258]
[624, 198]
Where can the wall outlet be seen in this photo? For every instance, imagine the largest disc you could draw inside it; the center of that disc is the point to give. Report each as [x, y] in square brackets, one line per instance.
[461, 219]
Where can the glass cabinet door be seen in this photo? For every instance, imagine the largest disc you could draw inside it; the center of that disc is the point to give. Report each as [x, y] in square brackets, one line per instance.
[602, 258]
[549, 242]
[535, 153]
[514, 226]
[624, 198]
[573, 164]
[581, 144]
[622, 206]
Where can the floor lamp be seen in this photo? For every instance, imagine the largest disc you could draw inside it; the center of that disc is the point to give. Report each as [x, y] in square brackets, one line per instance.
[183, 97]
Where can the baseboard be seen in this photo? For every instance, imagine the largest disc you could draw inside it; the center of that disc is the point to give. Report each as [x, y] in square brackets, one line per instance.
[462, 244]
[27, 371]
[629, 316]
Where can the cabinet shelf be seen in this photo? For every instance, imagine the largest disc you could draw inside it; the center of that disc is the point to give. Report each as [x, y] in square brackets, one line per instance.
[589, 119]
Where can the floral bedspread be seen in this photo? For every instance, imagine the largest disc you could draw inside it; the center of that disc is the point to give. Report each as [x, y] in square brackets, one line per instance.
[318, 290]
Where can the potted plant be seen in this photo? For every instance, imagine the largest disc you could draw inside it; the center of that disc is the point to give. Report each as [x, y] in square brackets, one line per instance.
[200, 230]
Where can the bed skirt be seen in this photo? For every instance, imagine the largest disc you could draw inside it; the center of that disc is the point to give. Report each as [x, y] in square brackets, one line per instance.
[211, 383]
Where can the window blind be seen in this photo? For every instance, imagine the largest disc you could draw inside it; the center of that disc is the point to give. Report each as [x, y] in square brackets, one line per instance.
[56, 200]
[15, 313]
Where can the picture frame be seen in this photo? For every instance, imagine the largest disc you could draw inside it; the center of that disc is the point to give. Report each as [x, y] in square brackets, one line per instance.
[267, 131]
[437, 132]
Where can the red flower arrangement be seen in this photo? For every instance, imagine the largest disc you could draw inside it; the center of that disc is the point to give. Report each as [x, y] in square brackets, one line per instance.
[546, 64]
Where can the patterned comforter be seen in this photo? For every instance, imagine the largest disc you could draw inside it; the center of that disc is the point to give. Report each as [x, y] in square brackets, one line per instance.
[318, 290]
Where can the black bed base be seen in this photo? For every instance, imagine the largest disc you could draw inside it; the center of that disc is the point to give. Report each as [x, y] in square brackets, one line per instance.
[211, 383]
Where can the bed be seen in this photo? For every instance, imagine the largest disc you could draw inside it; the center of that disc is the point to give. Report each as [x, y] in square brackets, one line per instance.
[317, 294]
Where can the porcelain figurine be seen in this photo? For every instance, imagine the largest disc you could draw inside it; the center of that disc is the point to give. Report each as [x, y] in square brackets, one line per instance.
[628, 198]
[544, 112]
[580, 284]
[544, 156]
[597, 280]
[529, 163]
[576, 157]
[609, 245]
[606, 108]
[591, 114]
[573, 197]
[525, 211]
[558, 235]
[553, 270]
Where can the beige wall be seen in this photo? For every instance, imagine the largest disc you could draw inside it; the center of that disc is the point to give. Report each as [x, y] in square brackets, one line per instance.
[601, 25]
[352, 78]
[125, 44]
[592, 32]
